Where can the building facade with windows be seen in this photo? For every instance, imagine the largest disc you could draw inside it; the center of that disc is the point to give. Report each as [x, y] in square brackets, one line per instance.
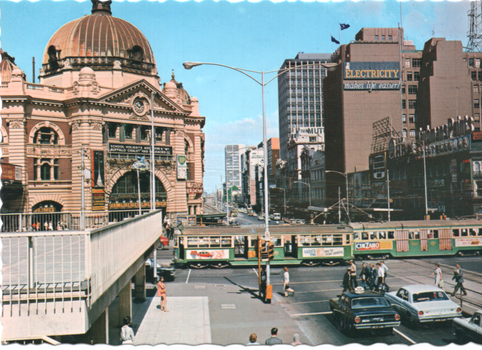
[300, 96]
[232, 165]
[89, 120]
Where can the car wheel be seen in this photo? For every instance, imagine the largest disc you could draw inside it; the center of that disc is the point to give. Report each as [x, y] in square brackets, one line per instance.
[161, 246]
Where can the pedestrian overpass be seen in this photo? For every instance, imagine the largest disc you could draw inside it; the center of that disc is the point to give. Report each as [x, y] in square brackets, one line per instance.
[58, 283]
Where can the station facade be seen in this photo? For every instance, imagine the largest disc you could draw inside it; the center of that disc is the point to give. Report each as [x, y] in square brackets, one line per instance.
[89, 119]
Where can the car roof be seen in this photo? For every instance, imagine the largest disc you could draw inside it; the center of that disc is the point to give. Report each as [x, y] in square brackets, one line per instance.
[366, 293]
[417, 288]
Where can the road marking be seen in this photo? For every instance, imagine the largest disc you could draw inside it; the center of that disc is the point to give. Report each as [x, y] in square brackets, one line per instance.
[403, 335]
[310, 302]
[306, 282]
[228, 306]
[189, 274]
[321, 290]
[314, 313]
[256, 272]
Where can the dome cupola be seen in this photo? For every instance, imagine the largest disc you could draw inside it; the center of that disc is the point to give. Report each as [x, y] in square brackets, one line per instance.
[100, 41]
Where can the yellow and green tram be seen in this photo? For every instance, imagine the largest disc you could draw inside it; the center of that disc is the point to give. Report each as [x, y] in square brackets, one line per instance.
[224, 246]
[401, 239]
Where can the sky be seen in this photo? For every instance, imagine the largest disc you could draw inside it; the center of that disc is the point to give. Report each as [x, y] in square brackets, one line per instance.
[255, 35]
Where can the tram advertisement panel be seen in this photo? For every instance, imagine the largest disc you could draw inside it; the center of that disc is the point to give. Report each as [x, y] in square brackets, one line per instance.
[208, 254]
[468, 242]
[373, 245]
[321, 252]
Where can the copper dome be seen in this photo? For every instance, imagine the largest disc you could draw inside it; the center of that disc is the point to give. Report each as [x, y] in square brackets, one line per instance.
[98, 40]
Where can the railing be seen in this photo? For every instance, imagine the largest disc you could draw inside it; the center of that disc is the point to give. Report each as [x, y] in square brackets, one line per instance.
[45, 88]
[60, 221]
[63, 272]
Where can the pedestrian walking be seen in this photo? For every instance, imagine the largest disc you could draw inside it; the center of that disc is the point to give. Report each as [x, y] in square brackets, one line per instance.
[51, 226]
[380, 277]
[126, 333]
[373, 276]
[253, 339]
[364, 275]
[353, 281]
[34, 226]
[161, 292]
[274, 337]
[46, 226]
[296, 339]
[438, 276]
[385, 274]
[286, 282]
[346, 280]
[459, 280]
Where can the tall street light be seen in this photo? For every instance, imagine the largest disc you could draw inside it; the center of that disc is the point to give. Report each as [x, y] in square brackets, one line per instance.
[309, 190]
[346, 178]
[189, 65]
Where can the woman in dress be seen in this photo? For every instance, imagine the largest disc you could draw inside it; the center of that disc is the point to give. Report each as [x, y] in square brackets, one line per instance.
[438, 276]
[286, 282]
[161, 292]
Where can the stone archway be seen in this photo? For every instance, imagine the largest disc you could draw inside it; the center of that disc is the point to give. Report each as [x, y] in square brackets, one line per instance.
[47, 124]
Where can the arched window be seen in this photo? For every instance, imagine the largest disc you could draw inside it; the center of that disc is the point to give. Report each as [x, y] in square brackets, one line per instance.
[45, 169]
[46, 136]
[186, 146]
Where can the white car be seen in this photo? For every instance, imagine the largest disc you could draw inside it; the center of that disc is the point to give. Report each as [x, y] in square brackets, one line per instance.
[469, 329]
[421, 303]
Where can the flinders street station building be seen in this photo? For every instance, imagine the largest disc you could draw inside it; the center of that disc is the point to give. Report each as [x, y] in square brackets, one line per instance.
[89, 120]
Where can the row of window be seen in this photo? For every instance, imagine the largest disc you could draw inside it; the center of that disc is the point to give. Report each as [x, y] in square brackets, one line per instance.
[413, 76]
[383, 38]
[373, 235]
[412, 104]
[131, 131]
[413, 62]
[412, 89]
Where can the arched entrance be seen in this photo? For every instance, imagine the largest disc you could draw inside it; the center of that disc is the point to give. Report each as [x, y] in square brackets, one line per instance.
[47, 217]
[124, 197]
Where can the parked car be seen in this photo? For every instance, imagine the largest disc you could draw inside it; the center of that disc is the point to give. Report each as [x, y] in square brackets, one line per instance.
[163, 242]
[293, 221]
[469, 329]
[166, 271]
[363, 309]
[277, 216]
[421, 303]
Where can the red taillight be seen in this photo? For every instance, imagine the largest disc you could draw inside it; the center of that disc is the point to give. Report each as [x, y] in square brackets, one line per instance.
[397, 317]
[459, 310]
[420, 313]
[357, 319]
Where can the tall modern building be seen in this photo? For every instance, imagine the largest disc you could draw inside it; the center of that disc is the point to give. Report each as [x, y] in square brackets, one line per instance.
[232, 159]
[300, 96]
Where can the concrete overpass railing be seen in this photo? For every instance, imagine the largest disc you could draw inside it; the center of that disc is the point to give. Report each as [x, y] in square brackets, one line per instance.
[59, 282]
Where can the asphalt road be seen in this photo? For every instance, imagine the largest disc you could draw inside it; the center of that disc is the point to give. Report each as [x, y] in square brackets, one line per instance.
[314, 286]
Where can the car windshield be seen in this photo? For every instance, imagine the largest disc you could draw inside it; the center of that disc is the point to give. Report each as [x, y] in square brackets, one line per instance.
[361, 303]
[429, 296]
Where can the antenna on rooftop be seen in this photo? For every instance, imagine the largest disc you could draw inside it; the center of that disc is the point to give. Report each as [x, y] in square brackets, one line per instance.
[475, 27]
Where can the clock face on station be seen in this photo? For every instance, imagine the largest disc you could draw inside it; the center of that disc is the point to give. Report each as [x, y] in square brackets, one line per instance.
[139, 106]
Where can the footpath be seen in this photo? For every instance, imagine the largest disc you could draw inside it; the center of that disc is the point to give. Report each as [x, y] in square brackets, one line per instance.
[211, 314]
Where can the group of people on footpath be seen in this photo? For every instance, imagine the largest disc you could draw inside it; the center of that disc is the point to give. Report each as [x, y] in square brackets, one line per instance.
[373, 277]
[273, 340]
[170, 228]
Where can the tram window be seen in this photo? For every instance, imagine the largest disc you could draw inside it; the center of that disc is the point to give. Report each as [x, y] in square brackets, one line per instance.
[214, 242]
[326, 239]
[382, 235]
[356, 236]
[472, 232]
[391, 235]
[316, 240]
[435, 233]
[373, 235]
[337, 239]
[192, 241]
[416, 235]
[305, 240]
[226, 241]
[347, 239]
[204, 241]
[276, 242]
[464, 232]
[480, 232]
[455, 232]
[364, 236]
[410, 235]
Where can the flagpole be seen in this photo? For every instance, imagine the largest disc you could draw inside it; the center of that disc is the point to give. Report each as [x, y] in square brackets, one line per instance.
[339, 35]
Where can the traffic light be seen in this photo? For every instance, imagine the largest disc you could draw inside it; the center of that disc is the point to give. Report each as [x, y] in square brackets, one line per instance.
[264, 250]
[270, 251]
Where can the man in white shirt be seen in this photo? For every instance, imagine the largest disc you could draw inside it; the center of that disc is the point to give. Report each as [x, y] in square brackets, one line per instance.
[385, 270]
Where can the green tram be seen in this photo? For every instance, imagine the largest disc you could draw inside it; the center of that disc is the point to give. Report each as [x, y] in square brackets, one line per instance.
[400, 239]
[223, 246]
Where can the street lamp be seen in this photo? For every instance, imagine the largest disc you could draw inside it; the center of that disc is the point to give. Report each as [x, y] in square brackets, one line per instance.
[309, 190]
[346, 178]
[189, 65]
